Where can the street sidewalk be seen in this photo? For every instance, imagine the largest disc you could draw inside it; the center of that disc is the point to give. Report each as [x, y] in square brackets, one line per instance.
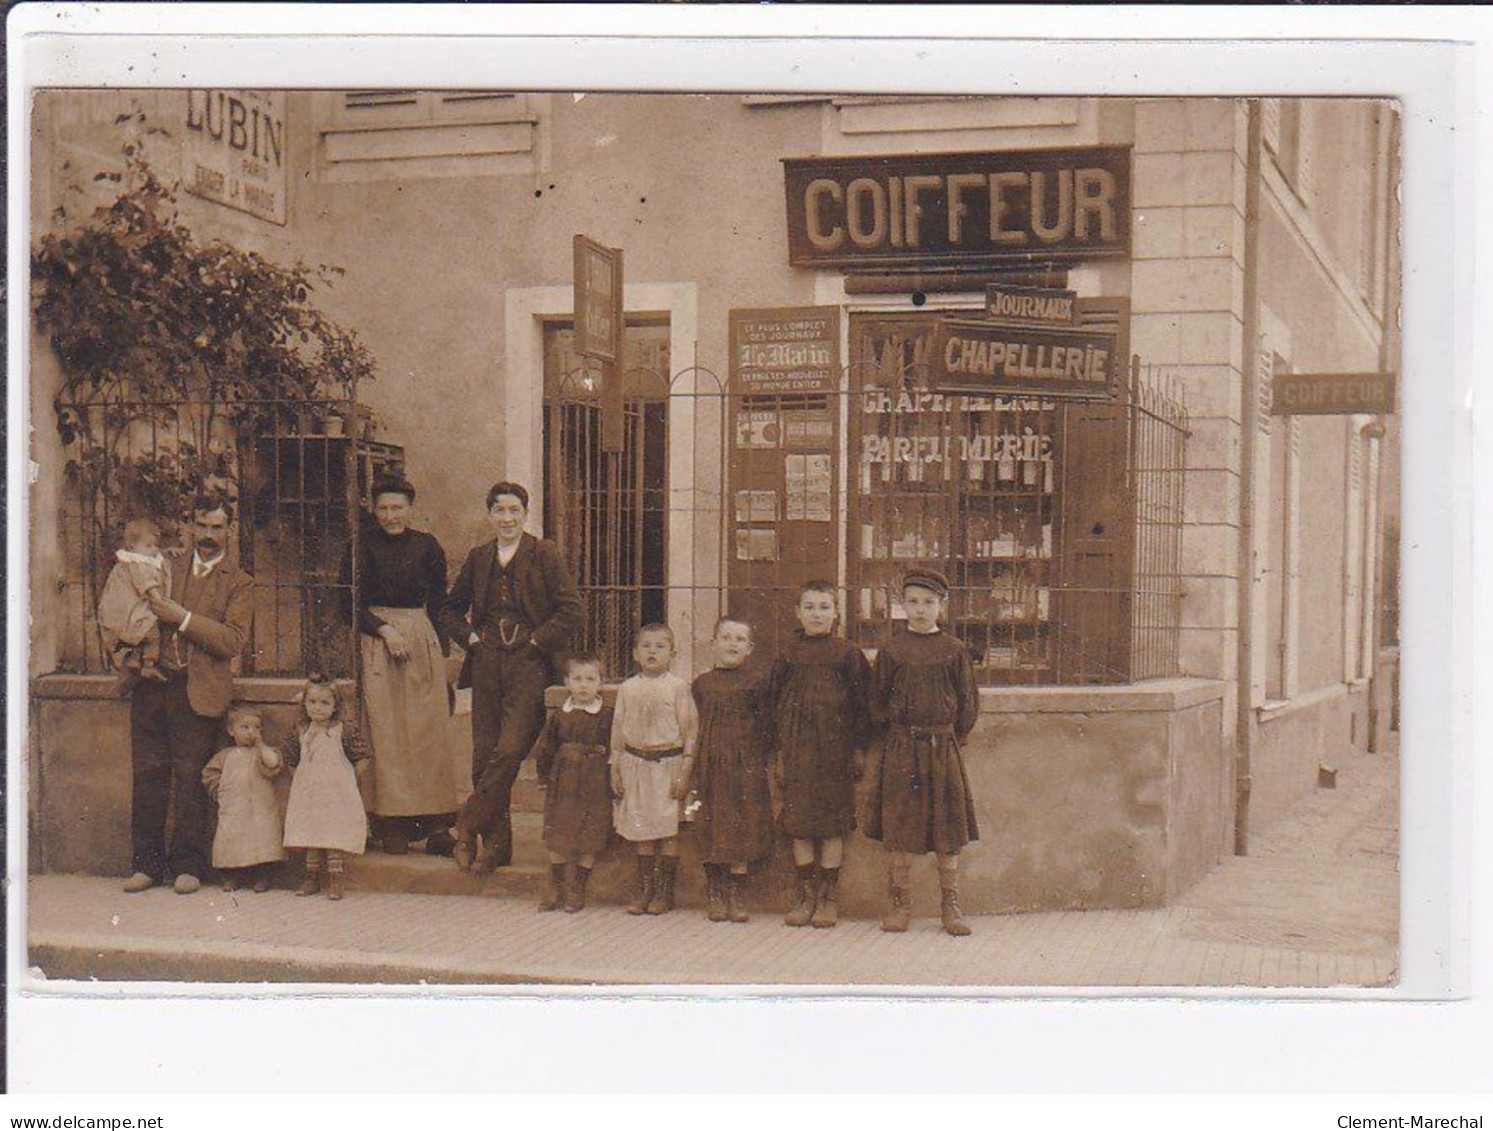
[1315, 904]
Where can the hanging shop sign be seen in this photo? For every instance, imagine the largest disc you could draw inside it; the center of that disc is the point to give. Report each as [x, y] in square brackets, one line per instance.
[233, 150]
[599, 328]
[997, 358]
[959, 210]
[1331, 394]
[1030, 306]
[785, 350]
[598, 300]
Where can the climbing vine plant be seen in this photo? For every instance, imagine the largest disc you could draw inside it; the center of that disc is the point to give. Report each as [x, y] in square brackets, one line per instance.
[161, 335]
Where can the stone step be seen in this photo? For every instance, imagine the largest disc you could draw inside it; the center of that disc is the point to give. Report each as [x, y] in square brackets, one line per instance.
[769, 889]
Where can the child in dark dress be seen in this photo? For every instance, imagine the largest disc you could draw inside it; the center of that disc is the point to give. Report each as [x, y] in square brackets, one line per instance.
[734, 824]
[571, 758]
[818, 692]
[924, 696]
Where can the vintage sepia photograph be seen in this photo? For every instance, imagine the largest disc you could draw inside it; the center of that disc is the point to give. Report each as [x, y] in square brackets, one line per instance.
[503, 538]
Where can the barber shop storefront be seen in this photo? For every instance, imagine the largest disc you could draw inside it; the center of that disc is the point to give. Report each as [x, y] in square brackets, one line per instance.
[991, 422]
[1002, 338]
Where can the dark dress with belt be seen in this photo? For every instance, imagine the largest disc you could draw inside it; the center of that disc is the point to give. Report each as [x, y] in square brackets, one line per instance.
[734, 824]
[819, 697]
[925, 697]
[571, 757]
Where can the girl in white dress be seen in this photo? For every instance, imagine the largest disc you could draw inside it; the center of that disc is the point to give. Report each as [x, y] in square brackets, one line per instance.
[325, 815]
[653, 748]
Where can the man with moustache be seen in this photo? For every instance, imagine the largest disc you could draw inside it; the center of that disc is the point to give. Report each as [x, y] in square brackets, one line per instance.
[175, 725]
[514, 607]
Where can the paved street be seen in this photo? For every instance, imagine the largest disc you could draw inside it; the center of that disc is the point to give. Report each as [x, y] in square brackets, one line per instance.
[1315, 904]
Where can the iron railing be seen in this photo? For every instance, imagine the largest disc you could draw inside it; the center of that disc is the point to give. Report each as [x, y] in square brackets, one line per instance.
[1058, 522]
[296, 472]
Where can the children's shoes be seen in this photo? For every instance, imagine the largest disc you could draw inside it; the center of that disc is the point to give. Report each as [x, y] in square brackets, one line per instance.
[575, 898]
[554, 889]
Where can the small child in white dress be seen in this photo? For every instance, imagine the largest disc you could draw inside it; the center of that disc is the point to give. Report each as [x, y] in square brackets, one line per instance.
[325, 815]
[240, 779]
[131, 631]
[654, 727]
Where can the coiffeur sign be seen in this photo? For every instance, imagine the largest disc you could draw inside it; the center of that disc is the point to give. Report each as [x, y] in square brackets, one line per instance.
[964, 210]
[996, 358]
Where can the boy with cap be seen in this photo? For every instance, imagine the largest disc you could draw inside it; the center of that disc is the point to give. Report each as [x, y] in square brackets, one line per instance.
[923, 696]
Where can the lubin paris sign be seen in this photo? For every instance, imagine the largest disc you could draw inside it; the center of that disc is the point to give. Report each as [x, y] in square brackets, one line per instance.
[233, 150]
[959, 210]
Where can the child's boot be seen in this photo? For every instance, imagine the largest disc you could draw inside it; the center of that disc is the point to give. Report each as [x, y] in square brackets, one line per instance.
[715, 899]
[736, 898]
[803, 910]
[646, 866]
[663, 887]
[230, 882]
[311, 882]
[334, 876]
[554, 889]
[575, 898]
[827, 913]
[899, 912]
[464, 853]
[953, 918]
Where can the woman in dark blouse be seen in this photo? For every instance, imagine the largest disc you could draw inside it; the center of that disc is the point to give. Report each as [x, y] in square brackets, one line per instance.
[401, 588]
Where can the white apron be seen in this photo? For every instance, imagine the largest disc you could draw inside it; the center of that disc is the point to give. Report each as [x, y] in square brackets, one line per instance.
[325, 809]
[408, 718]
[248, 814]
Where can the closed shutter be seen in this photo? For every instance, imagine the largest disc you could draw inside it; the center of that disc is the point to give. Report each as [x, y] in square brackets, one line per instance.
[1095, 539]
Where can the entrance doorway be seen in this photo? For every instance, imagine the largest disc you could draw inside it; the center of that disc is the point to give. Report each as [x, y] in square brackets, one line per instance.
[609, 511]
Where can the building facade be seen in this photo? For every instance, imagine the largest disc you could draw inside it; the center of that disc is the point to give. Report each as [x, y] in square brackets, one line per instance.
[1172, 595]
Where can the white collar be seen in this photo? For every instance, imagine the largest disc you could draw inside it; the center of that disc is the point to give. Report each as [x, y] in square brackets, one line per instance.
[201, 567]
[592, 708]
[142, 559]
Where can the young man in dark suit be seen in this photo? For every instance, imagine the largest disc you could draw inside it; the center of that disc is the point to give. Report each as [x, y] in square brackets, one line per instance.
[514, 607]
[175, 725]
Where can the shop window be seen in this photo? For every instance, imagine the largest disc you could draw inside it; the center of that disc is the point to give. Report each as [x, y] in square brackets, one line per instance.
[1057, 523]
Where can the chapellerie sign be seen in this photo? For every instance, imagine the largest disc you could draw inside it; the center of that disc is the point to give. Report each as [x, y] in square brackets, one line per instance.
[959, 210]
[999, 358]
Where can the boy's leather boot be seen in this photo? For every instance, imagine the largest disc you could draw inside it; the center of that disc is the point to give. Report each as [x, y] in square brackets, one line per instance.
[827, 912]
[899, 911]
[646, 866]
[803, 910]
[715, 897]
[554, 889]
[663, 886]
[736, 899]
[953, 918]
[575, 899]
